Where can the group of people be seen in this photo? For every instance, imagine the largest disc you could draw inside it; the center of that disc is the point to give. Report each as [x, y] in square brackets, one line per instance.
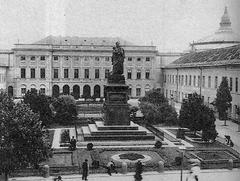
[111, 167]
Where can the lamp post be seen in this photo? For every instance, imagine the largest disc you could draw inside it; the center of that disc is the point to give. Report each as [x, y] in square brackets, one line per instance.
[182, 148]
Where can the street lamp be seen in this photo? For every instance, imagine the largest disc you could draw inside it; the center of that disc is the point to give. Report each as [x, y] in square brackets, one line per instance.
[182, 148]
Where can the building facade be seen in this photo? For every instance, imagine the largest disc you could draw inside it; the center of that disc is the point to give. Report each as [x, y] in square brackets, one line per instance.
[202, 72]
[6, 65]
[79, 66]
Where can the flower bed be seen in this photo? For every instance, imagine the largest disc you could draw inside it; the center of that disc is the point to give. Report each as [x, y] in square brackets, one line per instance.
[131, 156]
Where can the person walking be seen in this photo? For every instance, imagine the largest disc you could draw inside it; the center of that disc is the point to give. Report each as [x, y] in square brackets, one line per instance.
[139, 170]
[73, 143]
[85, 169]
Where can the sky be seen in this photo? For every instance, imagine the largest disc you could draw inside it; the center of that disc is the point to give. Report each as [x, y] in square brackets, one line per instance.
[168, 24]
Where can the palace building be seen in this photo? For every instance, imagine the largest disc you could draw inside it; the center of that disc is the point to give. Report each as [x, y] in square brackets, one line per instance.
[79, 66]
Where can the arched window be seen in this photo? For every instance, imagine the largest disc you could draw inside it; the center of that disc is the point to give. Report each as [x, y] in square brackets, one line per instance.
[66, 90]
[76, 91]
[10, 91]
[86, 91]
[55, 91]
[42, 89]
[97, 91]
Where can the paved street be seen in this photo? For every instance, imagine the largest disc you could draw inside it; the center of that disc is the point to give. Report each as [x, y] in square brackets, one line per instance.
[231, 130]
[205, 175]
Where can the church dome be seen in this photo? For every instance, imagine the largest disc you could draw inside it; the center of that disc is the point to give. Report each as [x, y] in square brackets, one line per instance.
[223, 37]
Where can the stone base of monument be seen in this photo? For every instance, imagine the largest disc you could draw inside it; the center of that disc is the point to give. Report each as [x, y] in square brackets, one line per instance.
[101, 132]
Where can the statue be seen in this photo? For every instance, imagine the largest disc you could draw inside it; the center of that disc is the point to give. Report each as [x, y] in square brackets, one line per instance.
[118, 56]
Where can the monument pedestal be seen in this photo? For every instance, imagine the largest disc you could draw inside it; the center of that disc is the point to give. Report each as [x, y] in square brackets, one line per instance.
[116, 125]
[116, 109]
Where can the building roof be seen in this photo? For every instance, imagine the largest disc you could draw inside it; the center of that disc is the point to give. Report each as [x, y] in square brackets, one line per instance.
[220, 56]
[67, 40]
[224, 34]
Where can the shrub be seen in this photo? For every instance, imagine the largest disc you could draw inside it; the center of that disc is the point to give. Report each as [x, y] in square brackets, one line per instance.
[158, 144]
[65, 137]
[89, 146]
[178, 160]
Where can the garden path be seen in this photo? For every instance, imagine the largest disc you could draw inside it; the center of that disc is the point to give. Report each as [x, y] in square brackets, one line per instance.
[57, 136]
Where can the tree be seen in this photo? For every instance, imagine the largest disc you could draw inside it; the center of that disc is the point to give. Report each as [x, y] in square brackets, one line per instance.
[190, 113]
[198, 117]
[223, 99]
[155, 97]
[40, 103]
[23, 142]
[208, 124]
[156, 109]
[65, 110]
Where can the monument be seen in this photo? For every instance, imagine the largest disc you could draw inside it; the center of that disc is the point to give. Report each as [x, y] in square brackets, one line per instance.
[116, 125]
[116, 109]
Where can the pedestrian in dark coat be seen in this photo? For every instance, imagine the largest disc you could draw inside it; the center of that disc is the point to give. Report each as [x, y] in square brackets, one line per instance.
[139, 170]
[85, 169]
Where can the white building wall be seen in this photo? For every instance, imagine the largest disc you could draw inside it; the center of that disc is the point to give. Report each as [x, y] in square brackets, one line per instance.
[91, 63]
[180, 90]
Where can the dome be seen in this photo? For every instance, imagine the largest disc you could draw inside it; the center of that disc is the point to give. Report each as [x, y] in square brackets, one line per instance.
[223, 37]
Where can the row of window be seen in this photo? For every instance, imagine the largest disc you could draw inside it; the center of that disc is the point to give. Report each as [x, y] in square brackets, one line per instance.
[76, 58]
[76, 73]
[43, 91]
[33, 73]
[23, 58]
[24, 90]
[189, 80]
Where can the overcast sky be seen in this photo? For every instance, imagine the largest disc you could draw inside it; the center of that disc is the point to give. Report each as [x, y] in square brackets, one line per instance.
[168, 24]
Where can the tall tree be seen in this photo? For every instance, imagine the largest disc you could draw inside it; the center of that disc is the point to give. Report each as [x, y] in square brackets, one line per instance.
[208, 124]
[223, 99]
[156, 109]
[22, 138]
[198, 117]
[39, 103]
[190, 113]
